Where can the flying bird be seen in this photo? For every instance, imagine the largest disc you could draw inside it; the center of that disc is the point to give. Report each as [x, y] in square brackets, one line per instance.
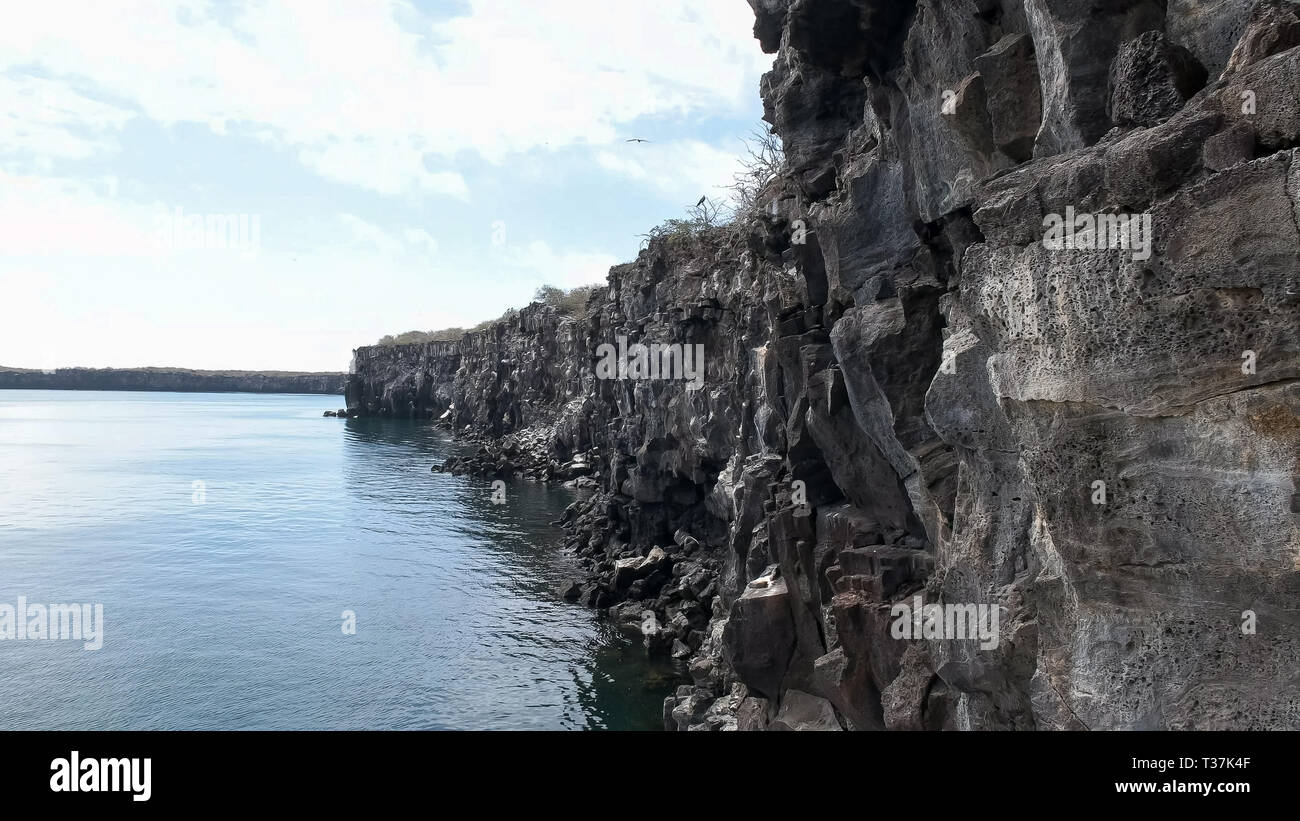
[636, 140]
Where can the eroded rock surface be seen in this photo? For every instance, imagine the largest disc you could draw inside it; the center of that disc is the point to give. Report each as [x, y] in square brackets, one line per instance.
[913, 393]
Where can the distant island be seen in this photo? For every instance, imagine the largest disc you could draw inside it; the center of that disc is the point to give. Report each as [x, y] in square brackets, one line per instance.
[183, 380]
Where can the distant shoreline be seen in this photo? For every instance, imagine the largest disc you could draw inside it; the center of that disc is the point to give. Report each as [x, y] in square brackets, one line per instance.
[173, 380]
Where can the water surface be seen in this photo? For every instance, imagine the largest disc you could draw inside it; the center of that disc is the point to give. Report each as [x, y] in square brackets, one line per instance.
[226, 534]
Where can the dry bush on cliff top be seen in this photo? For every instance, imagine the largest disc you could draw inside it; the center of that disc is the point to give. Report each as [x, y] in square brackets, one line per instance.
[570, 302]
[763, 162]
[510, 315]
[722, 220]
[713, 222]
[420, 337]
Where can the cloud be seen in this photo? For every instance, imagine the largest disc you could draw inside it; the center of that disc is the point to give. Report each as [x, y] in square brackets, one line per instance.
[48, 120]
[564, 269]
[407, 243]
[61, 216]
[440, 114]
[392, 169]
[421, 239]
[367, 92]
[685, 169]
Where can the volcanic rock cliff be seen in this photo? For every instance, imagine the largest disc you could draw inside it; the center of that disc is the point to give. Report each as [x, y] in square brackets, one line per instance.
[914, 392]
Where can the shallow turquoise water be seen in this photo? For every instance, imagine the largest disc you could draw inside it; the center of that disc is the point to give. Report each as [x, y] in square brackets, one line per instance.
[223, 601]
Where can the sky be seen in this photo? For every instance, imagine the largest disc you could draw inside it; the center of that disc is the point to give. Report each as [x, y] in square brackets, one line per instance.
[267, 185]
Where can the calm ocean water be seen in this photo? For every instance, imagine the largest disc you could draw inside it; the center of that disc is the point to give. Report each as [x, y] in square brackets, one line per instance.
[223, 601]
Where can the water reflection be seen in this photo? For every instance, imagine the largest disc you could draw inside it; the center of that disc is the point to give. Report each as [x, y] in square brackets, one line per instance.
[226, 614]
[492, 571]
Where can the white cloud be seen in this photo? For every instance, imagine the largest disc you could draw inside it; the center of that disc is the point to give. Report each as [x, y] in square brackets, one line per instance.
[85, 271]
[59, 216]
[368, 93]
[371, 238]
[49, 120]
[421, 239]
[391, 169]
[365, 100]
[686, 169]
[563, 269]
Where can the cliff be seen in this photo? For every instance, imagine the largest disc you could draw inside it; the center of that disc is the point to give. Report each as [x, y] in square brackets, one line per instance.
[172, 379]
[1015, 338]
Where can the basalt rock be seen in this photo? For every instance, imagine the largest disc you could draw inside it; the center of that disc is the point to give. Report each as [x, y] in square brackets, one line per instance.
[913, 391]
[1151, 79]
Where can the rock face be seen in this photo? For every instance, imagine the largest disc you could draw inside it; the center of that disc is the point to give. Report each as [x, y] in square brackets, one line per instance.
[173, 379]
[404, 381]
[1016, 334]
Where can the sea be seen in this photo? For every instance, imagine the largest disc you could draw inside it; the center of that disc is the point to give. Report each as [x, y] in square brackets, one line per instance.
[261, 567]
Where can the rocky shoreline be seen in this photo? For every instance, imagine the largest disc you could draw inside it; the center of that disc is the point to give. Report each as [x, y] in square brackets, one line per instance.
[663, 594]
[913, 392]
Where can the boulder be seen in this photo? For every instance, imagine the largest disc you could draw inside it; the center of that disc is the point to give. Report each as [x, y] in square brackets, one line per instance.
[759, 639]
[570, 590]
[802, 711]
[1151, 79]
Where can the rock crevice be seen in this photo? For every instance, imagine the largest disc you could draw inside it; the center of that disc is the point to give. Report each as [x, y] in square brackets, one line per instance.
[912, 394]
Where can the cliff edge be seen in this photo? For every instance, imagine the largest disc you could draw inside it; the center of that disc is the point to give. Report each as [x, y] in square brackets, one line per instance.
[997, 424]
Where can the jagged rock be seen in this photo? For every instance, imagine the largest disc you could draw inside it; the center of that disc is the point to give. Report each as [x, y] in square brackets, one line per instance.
[804, 712]
[625, 571]
[759, 639]
[688, 710]
[1273, 27]
[638, 567]
[916, 699]
[570, 590]
[630, 616]
[1075, 42]
[907, 392]
[1208, 28]
[1013, 97]
[1150, 80]
[847, 687]
[752, 714]
[686, 540]
[1228, 148]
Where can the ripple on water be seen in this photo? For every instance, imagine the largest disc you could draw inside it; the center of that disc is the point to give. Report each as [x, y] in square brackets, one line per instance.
[227, 614]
